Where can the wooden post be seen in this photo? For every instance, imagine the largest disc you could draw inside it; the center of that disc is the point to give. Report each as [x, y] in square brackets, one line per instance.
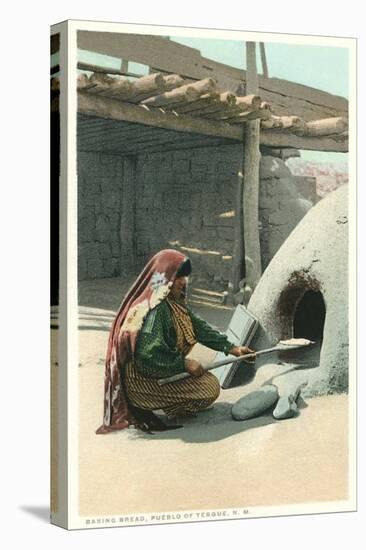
[124, 66]
[253, 269]
[238, 264]
[263, 60]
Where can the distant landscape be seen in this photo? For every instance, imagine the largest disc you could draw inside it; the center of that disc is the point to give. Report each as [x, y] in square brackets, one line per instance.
[329, 175]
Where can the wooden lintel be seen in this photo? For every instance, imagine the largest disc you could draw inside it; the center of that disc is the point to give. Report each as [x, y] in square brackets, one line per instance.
[107, 108]
[158, 147]
[104, 107]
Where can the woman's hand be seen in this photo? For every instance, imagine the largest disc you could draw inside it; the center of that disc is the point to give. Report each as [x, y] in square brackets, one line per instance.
[194, 367]
[238, 351]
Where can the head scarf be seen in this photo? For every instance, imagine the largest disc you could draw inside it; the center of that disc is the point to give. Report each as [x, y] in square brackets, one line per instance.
[150, 288]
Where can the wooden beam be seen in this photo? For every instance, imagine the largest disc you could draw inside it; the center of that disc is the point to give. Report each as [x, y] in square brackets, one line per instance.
[96, 142]
[263, 59]
[146, 137]
[211, 100]
[106, 70]
[273, 138]
[315, 128]
[261, 114]
[111, 109]
[178, 143]
[141, 134]
[116, 134]
[167, 84]
[83, 82]
[238, 261]
[120, 87]
[218, 109]
[172, 81]
[102, 82]
[113, 132]
[89, 122]
[159, 146]
[106, 141]
[248, 102]
[326, 126]
[295, 123]
[241, 106]
[188, 92]
[104, 107]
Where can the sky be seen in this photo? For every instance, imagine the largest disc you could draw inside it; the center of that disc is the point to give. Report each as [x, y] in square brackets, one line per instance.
[322, 67]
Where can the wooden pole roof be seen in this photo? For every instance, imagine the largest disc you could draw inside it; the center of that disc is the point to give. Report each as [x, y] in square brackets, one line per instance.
[168, 57]
[172, 102]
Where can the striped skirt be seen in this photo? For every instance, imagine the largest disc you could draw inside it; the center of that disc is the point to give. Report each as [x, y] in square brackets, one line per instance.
[183, 397]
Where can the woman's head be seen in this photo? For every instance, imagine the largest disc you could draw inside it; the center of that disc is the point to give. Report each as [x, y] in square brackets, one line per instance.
[179, 287]
[167, 262]
[152, 286]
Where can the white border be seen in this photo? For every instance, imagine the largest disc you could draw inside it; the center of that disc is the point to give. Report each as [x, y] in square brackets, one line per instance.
[352, 266]
[221, 514]
[74, 520]
[339, 42]
[72, 275]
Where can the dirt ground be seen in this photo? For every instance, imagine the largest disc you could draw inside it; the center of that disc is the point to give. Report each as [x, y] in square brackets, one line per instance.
[213, 461]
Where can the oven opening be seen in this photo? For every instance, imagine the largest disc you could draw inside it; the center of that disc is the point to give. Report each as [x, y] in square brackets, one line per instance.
[309, 316]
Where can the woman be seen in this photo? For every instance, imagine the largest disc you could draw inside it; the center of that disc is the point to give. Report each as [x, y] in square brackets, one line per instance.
[152, 333]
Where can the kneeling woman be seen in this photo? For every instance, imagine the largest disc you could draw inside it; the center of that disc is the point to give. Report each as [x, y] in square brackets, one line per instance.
[151, 335]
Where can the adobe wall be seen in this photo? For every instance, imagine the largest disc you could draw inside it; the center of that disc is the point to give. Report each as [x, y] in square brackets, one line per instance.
[179, 199]
[185, 201]
[100, 178]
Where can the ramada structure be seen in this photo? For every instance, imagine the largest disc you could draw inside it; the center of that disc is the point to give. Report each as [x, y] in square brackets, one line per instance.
[173, 158]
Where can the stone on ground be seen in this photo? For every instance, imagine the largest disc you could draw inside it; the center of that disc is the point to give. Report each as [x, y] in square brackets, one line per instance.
[255, 403]
[285, 408]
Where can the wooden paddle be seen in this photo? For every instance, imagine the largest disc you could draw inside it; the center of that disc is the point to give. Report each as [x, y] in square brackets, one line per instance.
[283, 345]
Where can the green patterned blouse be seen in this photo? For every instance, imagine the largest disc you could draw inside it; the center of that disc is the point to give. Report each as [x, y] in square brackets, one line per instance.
[156, 353]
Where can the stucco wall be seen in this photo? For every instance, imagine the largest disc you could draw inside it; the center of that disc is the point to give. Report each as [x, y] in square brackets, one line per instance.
[315, 256]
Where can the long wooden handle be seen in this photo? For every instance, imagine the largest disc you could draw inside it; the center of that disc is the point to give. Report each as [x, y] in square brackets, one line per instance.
[183, 375]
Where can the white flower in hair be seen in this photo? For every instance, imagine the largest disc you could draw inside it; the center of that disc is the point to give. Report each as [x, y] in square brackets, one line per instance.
[157, 280]
[159, 293]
